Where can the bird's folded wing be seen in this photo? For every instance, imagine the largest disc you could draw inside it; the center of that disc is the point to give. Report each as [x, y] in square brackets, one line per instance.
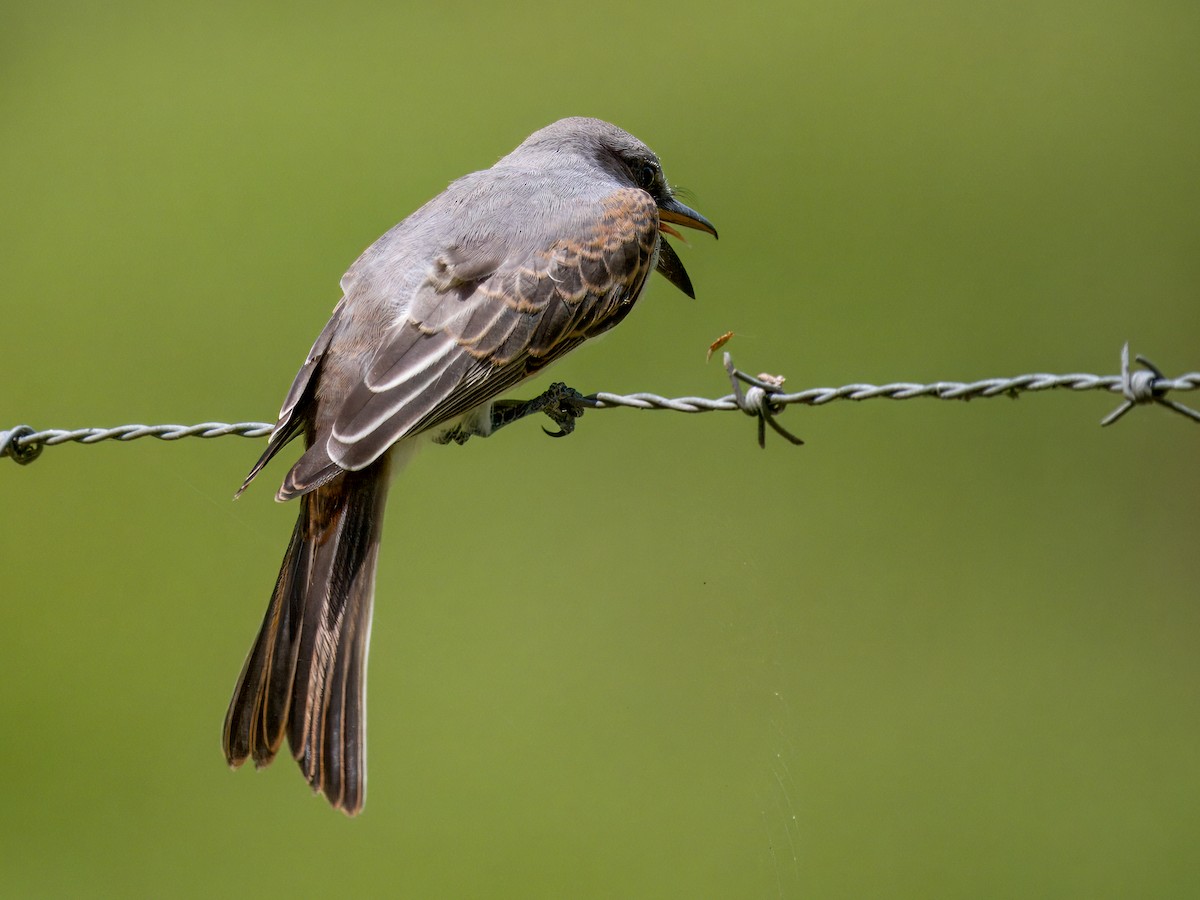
[465, 341]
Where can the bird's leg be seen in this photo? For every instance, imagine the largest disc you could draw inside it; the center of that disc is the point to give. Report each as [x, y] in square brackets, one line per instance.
[561, 403]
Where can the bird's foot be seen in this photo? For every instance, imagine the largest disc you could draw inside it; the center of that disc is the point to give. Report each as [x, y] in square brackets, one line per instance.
[561, 403]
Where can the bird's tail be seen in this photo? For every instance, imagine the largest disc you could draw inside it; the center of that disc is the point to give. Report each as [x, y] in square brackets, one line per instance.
[306, 673]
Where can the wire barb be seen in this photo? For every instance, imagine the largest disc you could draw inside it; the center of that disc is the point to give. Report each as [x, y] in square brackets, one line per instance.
[1149, 386]
[763, 399]
[758, 401]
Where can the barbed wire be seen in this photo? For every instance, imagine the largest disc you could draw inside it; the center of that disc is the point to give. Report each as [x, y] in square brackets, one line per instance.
[764, 399]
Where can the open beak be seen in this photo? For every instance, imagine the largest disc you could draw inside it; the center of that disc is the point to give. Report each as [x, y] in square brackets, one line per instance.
[673, 212]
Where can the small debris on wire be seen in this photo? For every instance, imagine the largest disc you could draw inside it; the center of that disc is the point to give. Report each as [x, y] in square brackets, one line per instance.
[718, 344]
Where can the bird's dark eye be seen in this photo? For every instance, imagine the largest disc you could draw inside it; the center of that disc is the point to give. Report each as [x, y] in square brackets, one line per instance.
[645, 173]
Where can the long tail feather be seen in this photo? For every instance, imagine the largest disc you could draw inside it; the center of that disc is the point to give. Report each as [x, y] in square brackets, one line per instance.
[305, 676]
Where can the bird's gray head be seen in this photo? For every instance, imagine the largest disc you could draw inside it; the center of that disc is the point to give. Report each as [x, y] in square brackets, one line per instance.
[596, 143]
[601, 144]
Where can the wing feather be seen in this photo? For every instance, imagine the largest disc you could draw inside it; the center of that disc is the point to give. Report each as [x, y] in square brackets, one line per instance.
[461, 343]
[295, 410]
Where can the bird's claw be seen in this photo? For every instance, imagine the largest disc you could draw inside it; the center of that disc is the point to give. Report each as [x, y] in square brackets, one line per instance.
[563, 405]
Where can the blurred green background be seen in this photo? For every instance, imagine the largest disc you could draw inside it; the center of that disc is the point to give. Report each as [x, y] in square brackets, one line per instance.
[942, 650]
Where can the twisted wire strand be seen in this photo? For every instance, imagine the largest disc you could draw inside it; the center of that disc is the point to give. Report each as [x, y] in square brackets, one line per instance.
[902, 390]
[763, 399]
[24, 444]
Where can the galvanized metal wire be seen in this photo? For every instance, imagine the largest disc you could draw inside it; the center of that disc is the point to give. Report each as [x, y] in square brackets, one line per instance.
[762, 397]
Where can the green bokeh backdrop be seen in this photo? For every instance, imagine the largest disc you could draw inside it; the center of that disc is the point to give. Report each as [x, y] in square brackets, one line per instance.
[941, 650]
